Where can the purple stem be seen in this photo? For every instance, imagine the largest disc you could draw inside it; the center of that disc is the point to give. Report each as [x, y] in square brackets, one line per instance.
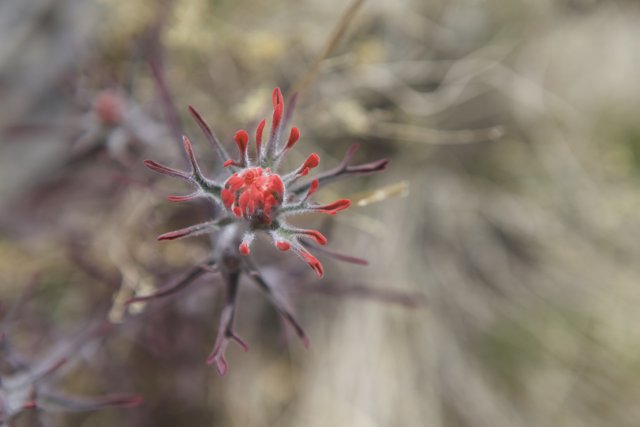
[185, 281]
[280, 308]
[226, 332]
[336, 255]
[344, 169]
[211, 136]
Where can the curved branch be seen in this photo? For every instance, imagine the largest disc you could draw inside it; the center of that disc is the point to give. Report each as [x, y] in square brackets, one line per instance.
[344, 169]
[280, 308]
[226, 331]
[185, 281]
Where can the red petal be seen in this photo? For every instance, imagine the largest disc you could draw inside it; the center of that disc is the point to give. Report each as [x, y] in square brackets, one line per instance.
[313, 188]
[312, 161]
[259, 131]
[313, 263]
[283, 246]
[315, 235]
[235, 182]
[227, 197]
[242, 139]
[244, 201]
[318, 236]
[278, 106]
[335, 207]
[276, 185]
[294, 136]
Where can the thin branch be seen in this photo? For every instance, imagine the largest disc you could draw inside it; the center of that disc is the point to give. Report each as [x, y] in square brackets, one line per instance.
[336, 255]
[173, 288]
[281, 309]
[226, 331]
[344, 169]
[210, 134]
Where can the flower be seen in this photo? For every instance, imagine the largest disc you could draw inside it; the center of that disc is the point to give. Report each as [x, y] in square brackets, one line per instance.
[108, 108]
[116, 123]
[256, 194]
[257, 197]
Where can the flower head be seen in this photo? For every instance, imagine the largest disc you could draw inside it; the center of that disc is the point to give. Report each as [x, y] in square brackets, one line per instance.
[253, 193]
[257, 196]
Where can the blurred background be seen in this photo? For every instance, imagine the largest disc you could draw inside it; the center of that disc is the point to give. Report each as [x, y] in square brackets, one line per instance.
[502, 239]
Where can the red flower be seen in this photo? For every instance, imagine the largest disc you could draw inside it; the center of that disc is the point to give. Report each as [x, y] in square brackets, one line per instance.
[256, 193]
[253, 191]
[109, 107]
[258, 197]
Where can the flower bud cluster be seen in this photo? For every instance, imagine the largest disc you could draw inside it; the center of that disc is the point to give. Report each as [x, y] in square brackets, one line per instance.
[256, 192]
[257, 196]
